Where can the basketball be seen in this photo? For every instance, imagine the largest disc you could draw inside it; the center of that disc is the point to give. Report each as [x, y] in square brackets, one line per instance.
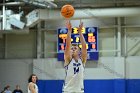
[67, 11]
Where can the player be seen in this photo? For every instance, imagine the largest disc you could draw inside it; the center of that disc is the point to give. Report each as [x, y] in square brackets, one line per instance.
[32, 87]
[74, 62]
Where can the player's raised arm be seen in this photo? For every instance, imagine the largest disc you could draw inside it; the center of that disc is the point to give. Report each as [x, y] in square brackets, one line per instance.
[83, 42]
[67, 56]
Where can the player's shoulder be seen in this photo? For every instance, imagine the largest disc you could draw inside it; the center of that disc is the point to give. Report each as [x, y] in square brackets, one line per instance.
[31, 84]
[83, 60]
[67, 62]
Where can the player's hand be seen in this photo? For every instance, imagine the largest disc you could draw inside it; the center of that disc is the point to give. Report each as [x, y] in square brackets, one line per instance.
[68, 25]
[80, 27]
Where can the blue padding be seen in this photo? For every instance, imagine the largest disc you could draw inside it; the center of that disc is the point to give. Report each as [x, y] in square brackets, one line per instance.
[91, 86]
[50, 86]
[133, 86]
[99, 86]
[119, 86]
[94, 86]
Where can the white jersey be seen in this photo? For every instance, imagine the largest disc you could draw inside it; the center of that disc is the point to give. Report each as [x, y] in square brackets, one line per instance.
[74, 77]
[7, 91]
[36, 88]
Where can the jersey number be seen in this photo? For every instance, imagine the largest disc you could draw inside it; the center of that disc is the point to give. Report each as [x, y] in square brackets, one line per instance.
[76, 70]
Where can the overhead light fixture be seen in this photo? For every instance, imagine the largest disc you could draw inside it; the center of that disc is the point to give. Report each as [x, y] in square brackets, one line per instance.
[51, 4]
[12, 3]
[17, 23]
[44, 4]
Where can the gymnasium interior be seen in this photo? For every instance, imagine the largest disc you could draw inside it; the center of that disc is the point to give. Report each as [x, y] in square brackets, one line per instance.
[30, 42]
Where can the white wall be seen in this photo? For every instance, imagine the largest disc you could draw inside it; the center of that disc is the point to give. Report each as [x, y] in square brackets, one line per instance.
[15, 71]
[133, 41]
[18, 45]
[106, 68]
[133, 67]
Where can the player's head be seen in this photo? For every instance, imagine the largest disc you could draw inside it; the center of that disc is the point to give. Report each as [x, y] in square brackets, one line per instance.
[75, 50]
[17, 87]
[7, 87]
[33, 78]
